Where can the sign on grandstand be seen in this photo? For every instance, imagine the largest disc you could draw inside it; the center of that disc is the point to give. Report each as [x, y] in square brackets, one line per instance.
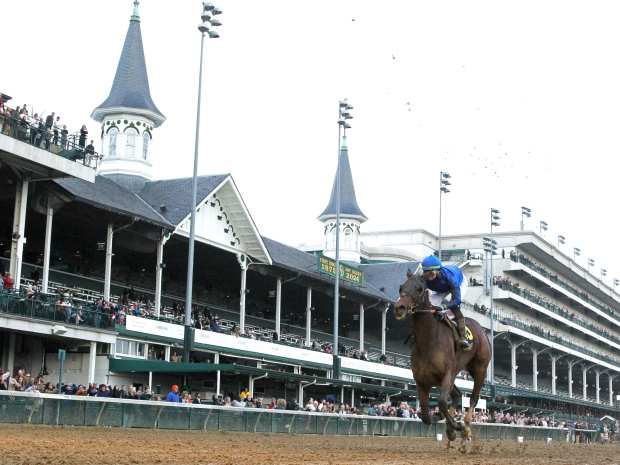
[347, 273]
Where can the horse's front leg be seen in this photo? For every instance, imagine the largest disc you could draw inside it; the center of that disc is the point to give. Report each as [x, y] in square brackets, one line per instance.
[444, 407]
[423, 397]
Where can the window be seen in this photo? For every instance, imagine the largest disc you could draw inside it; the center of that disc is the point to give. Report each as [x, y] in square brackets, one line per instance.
[132, 140]
[349, 238]
[112, 137]
[146, 138]
[129, 348]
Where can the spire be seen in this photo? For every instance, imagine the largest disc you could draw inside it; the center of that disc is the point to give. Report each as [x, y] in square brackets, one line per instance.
[348, 201]
[130, 90]
[136, 13]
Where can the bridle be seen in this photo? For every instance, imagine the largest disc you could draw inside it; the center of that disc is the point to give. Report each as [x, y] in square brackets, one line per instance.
[413, 309]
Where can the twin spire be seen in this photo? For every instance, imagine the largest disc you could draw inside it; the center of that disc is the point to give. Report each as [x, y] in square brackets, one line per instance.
[130, 91]
[348, 201]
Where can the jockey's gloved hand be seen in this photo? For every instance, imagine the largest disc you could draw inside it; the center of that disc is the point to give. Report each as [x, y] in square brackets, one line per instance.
[444, 308]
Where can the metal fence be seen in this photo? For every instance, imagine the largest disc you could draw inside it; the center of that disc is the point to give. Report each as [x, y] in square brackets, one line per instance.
[52, 409]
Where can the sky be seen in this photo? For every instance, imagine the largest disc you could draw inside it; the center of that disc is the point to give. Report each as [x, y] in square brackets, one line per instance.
[518, 101]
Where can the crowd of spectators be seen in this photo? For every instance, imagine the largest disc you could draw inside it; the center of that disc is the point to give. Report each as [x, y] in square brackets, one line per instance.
[537, 267]
[43, 131]
[516, 288]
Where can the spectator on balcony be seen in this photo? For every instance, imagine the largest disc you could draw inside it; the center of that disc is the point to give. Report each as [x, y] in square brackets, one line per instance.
[90, 148]
[64, 133]
[83, 135]
[56, 130]
[8, 281]
[215, 324]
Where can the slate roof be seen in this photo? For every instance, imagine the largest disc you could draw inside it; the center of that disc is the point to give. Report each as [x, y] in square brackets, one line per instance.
[348, 201]
[299, 261]
[387, 277]
[130, 88]
[175, 194]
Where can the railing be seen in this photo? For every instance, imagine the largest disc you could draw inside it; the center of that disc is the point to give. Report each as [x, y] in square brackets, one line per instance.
[554, 338]
[45, 307]
[52, 409]
[554, 279]
[535, 298]
[54, 140]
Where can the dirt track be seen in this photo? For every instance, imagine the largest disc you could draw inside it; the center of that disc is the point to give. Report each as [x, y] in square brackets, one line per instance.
[26, 445]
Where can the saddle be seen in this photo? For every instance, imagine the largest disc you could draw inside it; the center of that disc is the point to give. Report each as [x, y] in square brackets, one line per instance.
[448, 317]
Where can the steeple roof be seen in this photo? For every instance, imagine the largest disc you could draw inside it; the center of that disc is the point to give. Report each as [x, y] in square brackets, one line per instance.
[130, 89]
[348, 201]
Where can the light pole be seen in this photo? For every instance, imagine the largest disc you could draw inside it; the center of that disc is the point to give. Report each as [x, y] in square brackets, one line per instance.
[443, 189]
[561, 240]
[490, 248]
[525, 213]
[344, 115]
[590, 263]
[543, 226]
[206, 28]
[603, 273]
[576, 253]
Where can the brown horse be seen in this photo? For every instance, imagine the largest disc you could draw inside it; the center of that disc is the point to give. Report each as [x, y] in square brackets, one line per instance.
[435, 360]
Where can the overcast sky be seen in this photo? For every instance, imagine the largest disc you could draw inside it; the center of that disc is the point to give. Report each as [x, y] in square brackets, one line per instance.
[519, 101]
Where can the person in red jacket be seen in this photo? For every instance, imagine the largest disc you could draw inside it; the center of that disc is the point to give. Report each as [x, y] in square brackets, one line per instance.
[8, 281]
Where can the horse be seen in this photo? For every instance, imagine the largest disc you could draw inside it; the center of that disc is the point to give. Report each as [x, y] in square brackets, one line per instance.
[435, 359]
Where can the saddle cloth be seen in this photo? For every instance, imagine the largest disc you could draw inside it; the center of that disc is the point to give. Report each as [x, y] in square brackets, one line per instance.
[448, 317]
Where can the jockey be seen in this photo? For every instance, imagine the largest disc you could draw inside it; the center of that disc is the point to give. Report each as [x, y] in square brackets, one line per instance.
[444, 280]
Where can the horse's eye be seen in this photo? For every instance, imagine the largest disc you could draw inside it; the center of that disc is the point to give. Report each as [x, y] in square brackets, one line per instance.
[419, 289]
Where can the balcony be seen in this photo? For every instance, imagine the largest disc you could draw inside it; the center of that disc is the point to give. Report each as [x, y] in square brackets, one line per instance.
[571, 291]
[558, 313]
[51, 140]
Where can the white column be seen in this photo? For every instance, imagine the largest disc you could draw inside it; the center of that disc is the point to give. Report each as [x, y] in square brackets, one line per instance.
[19, 227]
[278, 305]
[553, 375]
[167, 354]
[535, 369]
[251, 386]
[513, 365]
[570, 379]
[342, 394]
[309, 317]
[47, 247]
[352, 397]
[159, 273]
[584, 372]
[611, 389]
[151, 381]
[598, 386]
[362, 327]
[108, 262]
[92, 359]
[243, 263]
[218, 379]
[383, 329]
[10, 363]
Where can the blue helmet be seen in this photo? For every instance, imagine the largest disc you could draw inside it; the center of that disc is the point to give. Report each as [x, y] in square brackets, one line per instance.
[431, 263]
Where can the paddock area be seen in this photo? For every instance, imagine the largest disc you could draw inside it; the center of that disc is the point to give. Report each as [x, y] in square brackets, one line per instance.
[45, 445]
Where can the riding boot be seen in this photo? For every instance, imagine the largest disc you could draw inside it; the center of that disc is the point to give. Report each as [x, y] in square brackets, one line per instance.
[463, 342]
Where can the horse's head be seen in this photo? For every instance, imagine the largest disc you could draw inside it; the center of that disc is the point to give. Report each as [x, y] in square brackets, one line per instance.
[411, 294]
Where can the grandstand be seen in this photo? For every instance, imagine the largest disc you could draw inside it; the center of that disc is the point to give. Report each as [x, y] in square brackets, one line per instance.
[102, 274]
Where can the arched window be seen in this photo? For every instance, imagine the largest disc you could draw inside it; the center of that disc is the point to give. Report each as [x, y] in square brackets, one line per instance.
[146, 138]
[112, 137]
[349, 238]
[132, 139]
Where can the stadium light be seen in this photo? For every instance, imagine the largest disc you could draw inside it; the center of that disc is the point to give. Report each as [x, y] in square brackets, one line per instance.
[494, 218]
[344, 116]
[205, 28]
[616, 282]
[590, 263]
[603, 273]
[490, 247]
[576, 253]
[525, 213]
[444, 182]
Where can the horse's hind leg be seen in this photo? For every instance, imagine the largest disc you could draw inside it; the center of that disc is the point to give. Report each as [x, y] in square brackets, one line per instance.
[423, 395]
